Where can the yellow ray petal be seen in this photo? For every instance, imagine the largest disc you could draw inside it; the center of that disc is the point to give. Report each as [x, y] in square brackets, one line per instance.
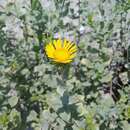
[72, 56]
[66, 61]
[72, 50]
[71, 46]
[50, 50]
[67, 44]
[58, 43]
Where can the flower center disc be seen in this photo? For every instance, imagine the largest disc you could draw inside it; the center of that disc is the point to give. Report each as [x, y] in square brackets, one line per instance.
[61, 54]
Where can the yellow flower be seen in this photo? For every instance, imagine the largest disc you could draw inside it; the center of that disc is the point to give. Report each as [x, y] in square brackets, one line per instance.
[61, 51]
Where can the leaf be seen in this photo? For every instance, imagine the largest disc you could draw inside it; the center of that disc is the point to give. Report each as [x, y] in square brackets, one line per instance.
[90, 122]
[13, 101]
[90, 19]
[65, 116]
[4, 119]
[60, 90]
[54, 101]
[32, 116]
[107, 78]
[35, 4]
[86, 62]
[65, 98]
[124, 77]
[92, 50]
[25, 72]
[126, 125]
[127, 112]
[15, 117]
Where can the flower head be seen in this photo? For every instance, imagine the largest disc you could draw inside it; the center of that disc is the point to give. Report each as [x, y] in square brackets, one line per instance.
[61, 51]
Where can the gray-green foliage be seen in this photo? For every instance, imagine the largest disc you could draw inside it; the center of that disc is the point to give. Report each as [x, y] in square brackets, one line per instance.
[85, 95]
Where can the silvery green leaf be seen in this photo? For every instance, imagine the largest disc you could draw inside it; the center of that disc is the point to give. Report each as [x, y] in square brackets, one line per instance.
[126, 125]
[54, 101]
[60, 90]
[13, 101]
[32, 116]
[106, 78]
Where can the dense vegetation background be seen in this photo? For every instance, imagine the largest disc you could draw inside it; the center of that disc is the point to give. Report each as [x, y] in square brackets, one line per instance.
[92, 93]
